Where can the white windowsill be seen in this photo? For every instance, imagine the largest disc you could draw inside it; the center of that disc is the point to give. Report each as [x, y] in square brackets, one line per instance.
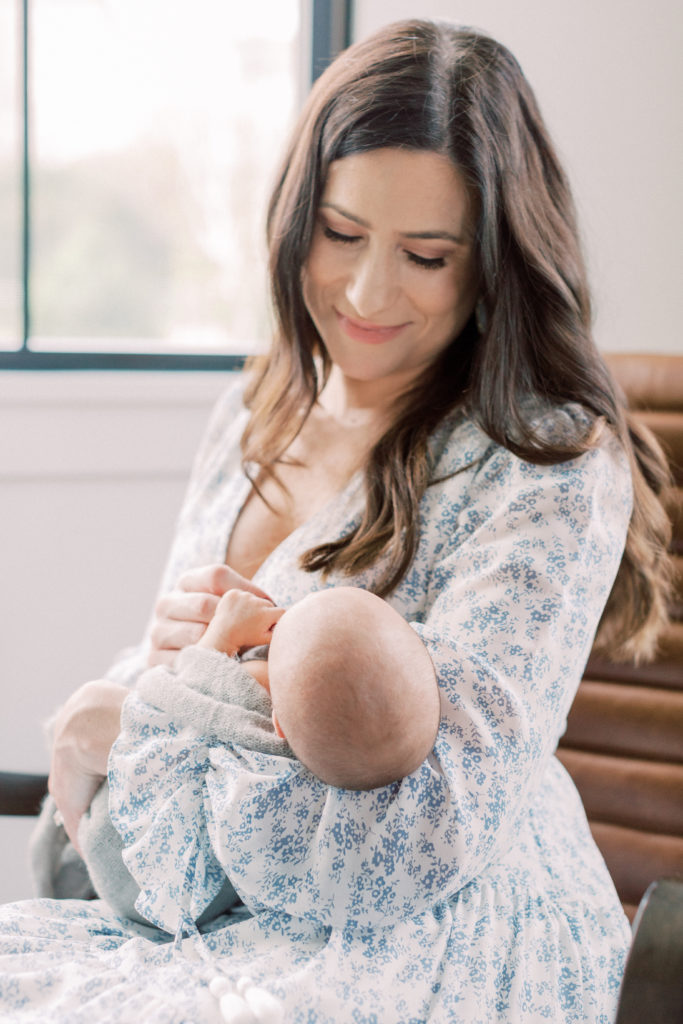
[102, 425]
[121, 387]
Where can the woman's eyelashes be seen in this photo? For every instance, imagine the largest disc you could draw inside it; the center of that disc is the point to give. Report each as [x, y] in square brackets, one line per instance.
[425, 262]
[428, 263]
[337, 236]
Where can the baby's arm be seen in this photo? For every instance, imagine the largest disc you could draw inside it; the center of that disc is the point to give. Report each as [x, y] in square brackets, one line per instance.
[241, 620]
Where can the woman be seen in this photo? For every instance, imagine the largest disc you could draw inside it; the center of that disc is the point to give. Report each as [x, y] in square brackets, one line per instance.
[432, 423]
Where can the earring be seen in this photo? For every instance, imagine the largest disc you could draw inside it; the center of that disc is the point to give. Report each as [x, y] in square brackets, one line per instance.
[480, 316]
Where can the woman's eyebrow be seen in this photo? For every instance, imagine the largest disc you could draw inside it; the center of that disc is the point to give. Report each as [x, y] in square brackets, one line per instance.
[445, 236]
[345, 213]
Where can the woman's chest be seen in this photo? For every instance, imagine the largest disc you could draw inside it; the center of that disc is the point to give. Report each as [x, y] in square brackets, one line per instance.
[276, 509]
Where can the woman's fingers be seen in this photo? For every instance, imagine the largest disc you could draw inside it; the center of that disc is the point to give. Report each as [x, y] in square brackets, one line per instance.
[217, 579]
[180, 620]
[184, 606]
[173, 634]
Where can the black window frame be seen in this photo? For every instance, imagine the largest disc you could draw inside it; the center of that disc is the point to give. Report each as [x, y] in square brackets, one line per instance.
[331, 23]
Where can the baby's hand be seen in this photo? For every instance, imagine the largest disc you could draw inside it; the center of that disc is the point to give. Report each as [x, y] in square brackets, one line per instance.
[241, 620]
[182, 614]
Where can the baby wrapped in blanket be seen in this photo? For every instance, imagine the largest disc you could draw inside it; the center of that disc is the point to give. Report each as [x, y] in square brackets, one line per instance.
[347, 682]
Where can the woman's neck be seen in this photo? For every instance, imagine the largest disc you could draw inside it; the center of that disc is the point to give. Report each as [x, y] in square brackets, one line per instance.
[360, 403]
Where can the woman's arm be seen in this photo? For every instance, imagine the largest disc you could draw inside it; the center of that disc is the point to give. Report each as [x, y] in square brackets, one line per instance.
[206, 701]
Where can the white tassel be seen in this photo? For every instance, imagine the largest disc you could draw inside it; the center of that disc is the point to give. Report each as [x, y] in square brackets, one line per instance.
[234, 1010]
[244, 1003]
[266, 1007]
[219, 986]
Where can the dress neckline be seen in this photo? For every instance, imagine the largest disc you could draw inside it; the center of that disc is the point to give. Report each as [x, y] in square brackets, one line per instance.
[329, 512]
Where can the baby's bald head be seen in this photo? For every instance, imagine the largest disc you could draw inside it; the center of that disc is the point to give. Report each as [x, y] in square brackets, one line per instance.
[353, 688]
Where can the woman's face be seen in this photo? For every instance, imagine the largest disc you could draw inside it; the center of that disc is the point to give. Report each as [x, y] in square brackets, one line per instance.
[390, 278]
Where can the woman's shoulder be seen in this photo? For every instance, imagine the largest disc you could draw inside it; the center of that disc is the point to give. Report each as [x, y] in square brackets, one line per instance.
[462, 446]
[228, 415]
[458, 444]
[484, 492]
[219, 449]
[230, 402]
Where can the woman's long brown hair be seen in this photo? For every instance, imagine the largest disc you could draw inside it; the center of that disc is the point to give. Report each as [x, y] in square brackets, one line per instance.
[429, 86]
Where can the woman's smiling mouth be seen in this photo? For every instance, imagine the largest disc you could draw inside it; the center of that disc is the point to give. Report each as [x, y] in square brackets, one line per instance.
[371, 334]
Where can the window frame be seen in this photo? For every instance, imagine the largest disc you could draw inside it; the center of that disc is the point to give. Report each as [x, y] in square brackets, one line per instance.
[329, 26]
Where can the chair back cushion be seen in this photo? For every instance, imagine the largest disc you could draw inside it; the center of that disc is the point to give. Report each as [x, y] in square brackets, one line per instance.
[624, 740]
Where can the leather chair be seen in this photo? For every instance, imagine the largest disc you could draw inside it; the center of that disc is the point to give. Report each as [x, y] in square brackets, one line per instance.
[21, 793]
[624, 740]
[652, 989]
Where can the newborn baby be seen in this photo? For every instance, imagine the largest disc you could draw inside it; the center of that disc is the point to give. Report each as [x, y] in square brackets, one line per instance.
[352, 685]
[353, 690]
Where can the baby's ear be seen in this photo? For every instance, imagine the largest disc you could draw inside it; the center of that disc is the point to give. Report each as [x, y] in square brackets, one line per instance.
[276, 726]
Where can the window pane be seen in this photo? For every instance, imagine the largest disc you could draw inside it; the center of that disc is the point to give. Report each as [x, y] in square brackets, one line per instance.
[10, 177]
[156, 130]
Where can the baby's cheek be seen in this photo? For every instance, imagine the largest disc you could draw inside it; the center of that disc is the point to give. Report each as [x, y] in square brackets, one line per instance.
[258, 670]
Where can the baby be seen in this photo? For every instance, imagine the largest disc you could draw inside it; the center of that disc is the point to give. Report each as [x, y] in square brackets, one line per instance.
[353, 690]
[352, 685]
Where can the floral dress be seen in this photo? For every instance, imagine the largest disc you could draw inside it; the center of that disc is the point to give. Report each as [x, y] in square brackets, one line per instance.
[469, 892]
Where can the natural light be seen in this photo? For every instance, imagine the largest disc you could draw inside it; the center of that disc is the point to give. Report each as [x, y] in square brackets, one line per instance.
[154, 134]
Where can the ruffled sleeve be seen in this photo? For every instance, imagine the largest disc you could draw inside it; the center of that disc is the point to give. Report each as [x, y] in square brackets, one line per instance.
[158, 775]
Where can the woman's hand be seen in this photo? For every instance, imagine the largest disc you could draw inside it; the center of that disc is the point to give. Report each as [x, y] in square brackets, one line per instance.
[85, 729]
[182, 615]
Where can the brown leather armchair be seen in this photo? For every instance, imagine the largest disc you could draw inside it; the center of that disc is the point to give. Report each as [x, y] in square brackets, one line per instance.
[21, 794]
[652, 989]
[624, 740]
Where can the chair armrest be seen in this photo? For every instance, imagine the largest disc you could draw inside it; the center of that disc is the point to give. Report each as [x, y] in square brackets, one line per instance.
[21, 793]
[652, 989]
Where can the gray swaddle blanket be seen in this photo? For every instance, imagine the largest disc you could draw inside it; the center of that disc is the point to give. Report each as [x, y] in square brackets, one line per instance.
[207, 693]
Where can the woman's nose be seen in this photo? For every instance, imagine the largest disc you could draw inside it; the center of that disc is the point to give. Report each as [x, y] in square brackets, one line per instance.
[372, 287]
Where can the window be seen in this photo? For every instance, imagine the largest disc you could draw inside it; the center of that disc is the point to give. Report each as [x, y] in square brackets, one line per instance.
[10, 177]
[152, 132]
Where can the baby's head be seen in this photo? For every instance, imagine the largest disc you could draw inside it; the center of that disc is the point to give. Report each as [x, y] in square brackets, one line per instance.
[353, 688]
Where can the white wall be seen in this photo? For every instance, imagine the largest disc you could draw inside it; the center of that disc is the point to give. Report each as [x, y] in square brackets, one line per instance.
[92, 471]
[609, 78]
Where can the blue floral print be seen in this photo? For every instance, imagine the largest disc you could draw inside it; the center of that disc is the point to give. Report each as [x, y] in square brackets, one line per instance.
[470, 892]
